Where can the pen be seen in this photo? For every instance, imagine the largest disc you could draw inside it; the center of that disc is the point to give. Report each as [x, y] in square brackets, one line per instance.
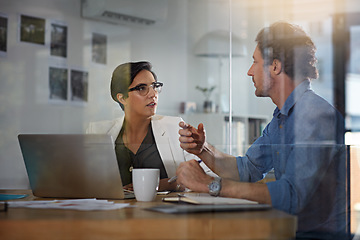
[129, 191]
[173, 179]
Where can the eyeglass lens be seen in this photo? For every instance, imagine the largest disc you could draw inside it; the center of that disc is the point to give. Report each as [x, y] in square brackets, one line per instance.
[144, 89]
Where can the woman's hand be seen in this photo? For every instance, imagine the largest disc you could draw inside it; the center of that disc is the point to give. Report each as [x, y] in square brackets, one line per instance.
[164, 185]
[129, 187]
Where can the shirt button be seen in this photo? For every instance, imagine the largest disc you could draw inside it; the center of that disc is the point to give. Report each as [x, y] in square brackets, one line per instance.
[280, 126]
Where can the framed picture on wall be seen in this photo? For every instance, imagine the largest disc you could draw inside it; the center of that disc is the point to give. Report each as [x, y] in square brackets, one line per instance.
[79, 81]
[58, 84]
[99, 46]
[58, 42]
[3, 34]
[32, 29]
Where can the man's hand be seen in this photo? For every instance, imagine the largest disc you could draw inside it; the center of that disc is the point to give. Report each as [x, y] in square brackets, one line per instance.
[191, 139]
[192, 176]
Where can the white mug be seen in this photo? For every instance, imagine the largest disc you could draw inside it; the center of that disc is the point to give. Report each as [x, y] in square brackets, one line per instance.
[145, 183]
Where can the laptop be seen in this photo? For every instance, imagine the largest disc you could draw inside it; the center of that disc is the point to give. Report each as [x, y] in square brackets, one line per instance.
[72, 166]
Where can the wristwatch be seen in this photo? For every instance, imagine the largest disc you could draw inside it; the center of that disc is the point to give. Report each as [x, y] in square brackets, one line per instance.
[215, 187]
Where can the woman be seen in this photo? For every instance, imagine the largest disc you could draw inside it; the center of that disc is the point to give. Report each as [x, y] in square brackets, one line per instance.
[142, 139]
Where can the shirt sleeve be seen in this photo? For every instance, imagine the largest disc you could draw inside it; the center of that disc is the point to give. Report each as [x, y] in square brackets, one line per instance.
[257, 161]
[308, 167]
[305, 155]
[309, 161]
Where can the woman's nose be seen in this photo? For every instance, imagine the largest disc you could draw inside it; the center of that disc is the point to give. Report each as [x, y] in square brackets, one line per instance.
[152, 92]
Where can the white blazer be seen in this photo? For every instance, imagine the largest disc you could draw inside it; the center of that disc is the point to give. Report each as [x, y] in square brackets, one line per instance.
[166, 134]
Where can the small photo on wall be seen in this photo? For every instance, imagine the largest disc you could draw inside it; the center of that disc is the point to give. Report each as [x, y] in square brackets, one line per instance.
[58, 83]
[99, 45]
[32, 29]
[79, 86]
[58, 45]
[3, 33]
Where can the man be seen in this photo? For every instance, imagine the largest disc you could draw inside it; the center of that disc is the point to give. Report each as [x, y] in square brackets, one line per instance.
[302, 143]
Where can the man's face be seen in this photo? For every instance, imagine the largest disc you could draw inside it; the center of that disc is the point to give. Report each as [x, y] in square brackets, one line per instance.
[260, 75]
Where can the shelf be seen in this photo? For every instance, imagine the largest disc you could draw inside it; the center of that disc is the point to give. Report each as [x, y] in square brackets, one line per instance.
[245, 130]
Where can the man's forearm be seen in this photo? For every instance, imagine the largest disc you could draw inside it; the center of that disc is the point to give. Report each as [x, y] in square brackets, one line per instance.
[258, 192]
[221, 163]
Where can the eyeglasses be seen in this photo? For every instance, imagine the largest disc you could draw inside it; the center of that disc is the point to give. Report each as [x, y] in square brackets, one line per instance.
[144, 89]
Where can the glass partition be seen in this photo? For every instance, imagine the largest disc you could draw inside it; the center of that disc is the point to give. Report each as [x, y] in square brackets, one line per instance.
[57, 59]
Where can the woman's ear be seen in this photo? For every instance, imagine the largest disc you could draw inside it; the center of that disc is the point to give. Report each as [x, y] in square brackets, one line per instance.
[276, 67]
[120, 98]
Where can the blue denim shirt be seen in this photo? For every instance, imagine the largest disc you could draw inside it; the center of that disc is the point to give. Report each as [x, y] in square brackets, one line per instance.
[303, 143]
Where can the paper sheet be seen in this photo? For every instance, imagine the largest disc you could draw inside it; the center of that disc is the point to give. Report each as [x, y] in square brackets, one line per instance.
[75, 204]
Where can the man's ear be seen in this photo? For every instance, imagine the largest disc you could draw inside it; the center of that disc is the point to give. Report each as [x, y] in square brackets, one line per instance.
[120, 98]
[276, 67]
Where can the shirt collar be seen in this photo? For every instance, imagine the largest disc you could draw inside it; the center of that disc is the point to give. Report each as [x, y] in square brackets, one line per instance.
[293, 98]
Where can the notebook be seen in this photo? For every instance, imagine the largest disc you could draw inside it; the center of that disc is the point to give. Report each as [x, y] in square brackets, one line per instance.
[205, 198]
[203, 202]
[72, 166]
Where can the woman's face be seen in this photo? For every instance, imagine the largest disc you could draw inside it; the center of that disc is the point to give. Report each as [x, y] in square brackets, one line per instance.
[142, 106]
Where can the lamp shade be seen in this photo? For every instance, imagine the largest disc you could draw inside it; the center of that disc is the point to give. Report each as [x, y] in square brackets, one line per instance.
[217, 44]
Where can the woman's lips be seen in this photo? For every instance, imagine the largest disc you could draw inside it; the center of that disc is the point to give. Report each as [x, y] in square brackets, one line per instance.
[153, 104]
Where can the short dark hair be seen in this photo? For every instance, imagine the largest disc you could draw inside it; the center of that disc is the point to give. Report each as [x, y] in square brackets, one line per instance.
[124, 75]
[290, 45]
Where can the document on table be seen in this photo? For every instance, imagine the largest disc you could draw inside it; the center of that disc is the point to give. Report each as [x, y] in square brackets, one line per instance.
[73, 204]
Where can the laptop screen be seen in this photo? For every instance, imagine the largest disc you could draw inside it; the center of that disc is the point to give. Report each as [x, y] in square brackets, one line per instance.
[71, 165]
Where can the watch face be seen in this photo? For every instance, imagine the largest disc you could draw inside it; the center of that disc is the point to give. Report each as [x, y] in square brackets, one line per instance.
[215, 187]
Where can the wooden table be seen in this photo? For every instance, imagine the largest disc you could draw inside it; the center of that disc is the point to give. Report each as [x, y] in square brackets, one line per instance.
[137, 223]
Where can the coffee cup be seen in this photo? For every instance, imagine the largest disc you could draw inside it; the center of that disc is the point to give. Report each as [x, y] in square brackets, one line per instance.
[145, 183]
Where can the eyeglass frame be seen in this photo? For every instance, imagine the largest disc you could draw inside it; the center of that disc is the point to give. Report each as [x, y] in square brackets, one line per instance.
[154, 85]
